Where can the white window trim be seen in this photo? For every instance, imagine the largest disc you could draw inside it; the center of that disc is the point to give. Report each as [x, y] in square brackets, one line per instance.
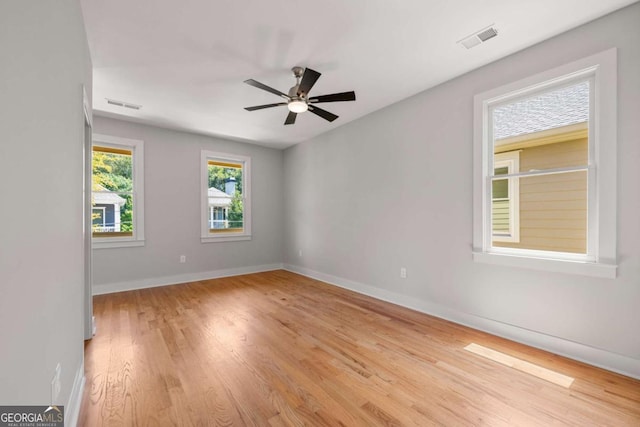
[206, 236]
[511, 160]
[137, 148]
[601, 259]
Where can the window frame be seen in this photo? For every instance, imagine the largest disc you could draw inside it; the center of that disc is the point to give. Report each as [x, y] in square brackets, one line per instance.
[136, 147]
[600, 260]
[233, 235]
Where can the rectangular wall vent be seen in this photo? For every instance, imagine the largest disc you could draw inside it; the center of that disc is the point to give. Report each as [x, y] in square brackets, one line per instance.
[479, 37]
[123, 104]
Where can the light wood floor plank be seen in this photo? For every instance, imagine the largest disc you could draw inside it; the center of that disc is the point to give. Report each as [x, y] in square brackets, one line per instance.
[280, 349]
[521, 365]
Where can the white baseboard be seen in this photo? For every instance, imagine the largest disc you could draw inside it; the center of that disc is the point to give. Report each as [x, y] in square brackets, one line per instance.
[72, 410]
[181, 278]
[593, 356]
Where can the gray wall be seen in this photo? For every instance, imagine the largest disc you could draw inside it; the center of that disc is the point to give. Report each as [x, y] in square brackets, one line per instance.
[394, 189]
[44, 60]
[172, 212]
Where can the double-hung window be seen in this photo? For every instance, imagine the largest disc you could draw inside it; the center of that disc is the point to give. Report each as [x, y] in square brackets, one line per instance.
[225, 197]
[544, 170]
[117, 192]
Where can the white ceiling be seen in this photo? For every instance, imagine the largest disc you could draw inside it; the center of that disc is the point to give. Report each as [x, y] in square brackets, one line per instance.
[185, 61]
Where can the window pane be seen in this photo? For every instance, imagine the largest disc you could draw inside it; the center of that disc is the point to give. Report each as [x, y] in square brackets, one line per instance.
[112, 171]
[500, 189]
[225, 197]
[501, 171]
[112, 192]
[552, 215]
[550, 129]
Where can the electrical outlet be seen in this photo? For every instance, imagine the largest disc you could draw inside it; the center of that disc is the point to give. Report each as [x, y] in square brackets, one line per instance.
[300, 253]
[55, 385]
[403, 273]
[183, 259]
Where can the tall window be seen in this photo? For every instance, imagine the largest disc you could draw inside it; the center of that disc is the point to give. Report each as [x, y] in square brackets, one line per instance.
[225, 197]
[545, 153]
[548, 133]
[117, 192]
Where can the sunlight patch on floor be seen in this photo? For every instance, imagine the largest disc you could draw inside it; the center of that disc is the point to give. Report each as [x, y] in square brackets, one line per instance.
[521, 365]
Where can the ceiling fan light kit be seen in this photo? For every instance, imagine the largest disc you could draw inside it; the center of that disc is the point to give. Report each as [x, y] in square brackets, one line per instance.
[298, 106]
[298, 100]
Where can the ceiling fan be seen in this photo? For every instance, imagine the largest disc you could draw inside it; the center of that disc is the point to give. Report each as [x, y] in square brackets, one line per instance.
[298, 99]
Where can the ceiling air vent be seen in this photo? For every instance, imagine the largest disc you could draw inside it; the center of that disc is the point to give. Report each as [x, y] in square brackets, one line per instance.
[123, 104]
[479, 37]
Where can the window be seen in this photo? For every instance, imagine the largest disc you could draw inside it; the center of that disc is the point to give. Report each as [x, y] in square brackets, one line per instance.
[545, 176]
[226, 197]
[98, 216]
[117, 192]
[505, 198]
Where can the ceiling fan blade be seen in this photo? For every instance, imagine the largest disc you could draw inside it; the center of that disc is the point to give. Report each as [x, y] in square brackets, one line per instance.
[309, 78]
[334, 97]
[291, 118]
[260, 107]
[322, 113]
[259, 85]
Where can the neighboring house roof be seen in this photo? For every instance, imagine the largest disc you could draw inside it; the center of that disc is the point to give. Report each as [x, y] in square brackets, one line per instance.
[562, 107]
[219, 198]
[102, 196]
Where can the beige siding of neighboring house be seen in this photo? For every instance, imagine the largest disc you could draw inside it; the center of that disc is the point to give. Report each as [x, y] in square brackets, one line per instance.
[553, 208]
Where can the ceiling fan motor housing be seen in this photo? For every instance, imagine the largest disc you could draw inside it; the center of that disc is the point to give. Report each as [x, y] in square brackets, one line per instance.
[293, 93]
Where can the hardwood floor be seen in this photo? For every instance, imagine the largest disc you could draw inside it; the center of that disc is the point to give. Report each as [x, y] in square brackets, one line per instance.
[279, 349]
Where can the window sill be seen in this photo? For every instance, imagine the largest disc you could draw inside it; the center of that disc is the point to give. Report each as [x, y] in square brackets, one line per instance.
[106, 243]
[225, 238]
[593, 269]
